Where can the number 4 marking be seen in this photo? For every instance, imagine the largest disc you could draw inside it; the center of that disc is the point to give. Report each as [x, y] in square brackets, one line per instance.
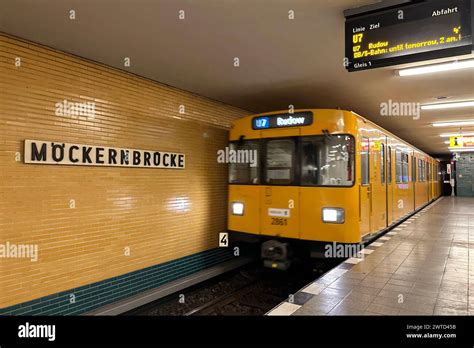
[223, 239]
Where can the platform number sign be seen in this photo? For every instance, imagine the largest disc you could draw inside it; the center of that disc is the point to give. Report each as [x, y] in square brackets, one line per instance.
[223, 239]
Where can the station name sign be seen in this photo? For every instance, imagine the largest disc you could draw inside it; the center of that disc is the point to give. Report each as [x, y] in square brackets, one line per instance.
[46, 152]
[283, 120]
[416, 32]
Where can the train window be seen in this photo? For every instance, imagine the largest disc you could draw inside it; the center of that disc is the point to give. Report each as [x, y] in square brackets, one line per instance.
[365, 161]
[405, 167]
[398, 166]
[382, 163]
[389, 165]
[280, 162]
[244, 169]
[327, 160]
[413, 169]
[421, 170]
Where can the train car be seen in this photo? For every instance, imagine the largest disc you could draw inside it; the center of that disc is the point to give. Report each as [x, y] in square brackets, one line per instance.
[312, 180]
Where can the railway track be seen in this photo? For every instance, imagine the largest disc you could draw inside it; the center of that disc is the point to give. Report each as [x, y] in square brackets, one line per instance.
[250, 290]
[217, 306]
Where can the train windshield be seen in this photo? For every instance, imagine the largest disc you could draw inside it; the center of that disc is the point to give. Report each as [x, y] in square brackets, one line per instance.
[244, 159]
[327, 160]
[320, 160]
[280, 162]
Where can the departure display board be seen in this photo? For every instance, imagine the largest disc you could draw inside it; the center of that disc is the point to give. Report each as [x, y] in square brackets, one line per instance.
[416, 32]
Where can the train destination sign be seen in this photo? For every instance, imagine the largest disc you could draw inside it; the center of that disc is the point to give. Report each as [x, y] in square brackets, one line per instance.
[46, 152]
[283, 120]
[416, 32]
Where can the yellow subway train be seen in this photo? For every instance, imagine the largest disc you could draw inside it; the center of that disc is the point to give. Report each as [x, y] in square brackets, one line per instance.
[312, 177]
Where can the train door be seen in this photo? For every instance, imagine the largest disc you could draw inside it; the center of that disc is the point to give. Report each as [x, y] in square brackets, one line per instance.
[365, 198]
[280, 195]
[433, 180]
[414, 164]
[389, 186]
[429, 181]
[378, 217]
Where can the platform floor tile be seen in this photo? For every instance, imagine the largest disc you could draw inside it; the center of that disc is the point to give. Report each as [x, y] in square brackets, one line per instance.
[425, 266]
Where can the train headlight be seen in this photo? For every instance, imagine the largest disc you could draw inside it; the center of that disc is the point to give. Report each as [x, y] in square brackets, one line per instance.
[237, 208]
[334, 215]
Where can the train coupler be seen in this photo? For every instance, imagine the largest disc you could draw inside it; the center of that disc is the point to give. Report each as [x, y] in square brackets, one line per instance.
[276, 255]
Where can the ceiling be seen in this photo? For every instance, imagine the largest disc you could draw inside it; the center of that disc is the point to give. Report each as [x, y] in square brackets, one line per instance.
[282, 61]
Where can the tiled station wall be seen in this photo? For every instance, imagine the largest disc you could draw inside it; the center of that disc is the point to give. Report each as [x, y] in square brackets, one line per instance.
[84, 219]
[465, 174]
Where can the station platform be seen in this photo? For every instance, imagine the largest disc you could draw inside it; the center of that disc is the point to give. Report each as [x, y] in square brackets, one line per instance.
[424, 266]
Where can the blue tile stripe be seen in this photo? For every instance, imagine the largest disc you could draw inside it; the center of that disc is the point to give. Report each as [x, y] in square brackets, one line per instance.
[91, 296]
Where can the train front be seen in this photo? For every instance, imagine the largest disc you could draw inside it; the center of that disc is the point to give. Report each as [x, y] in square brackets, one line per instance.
[292, 183]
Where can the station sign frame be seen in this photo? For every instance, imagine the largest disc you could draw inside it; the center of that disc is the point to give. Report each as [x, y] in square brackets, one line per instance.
[61, 153]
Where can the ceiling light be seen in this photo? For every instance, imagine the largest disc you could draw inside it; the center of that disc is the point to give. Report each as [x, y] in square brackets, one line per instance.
[447, 142]
[427, 69]
[447, 135]
[461, 104]
[465, 149]
[453, 123]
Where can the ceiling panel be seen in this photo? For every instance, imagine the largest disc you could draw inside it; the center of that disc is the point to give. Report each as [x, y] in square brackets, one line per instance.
[282, 61]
